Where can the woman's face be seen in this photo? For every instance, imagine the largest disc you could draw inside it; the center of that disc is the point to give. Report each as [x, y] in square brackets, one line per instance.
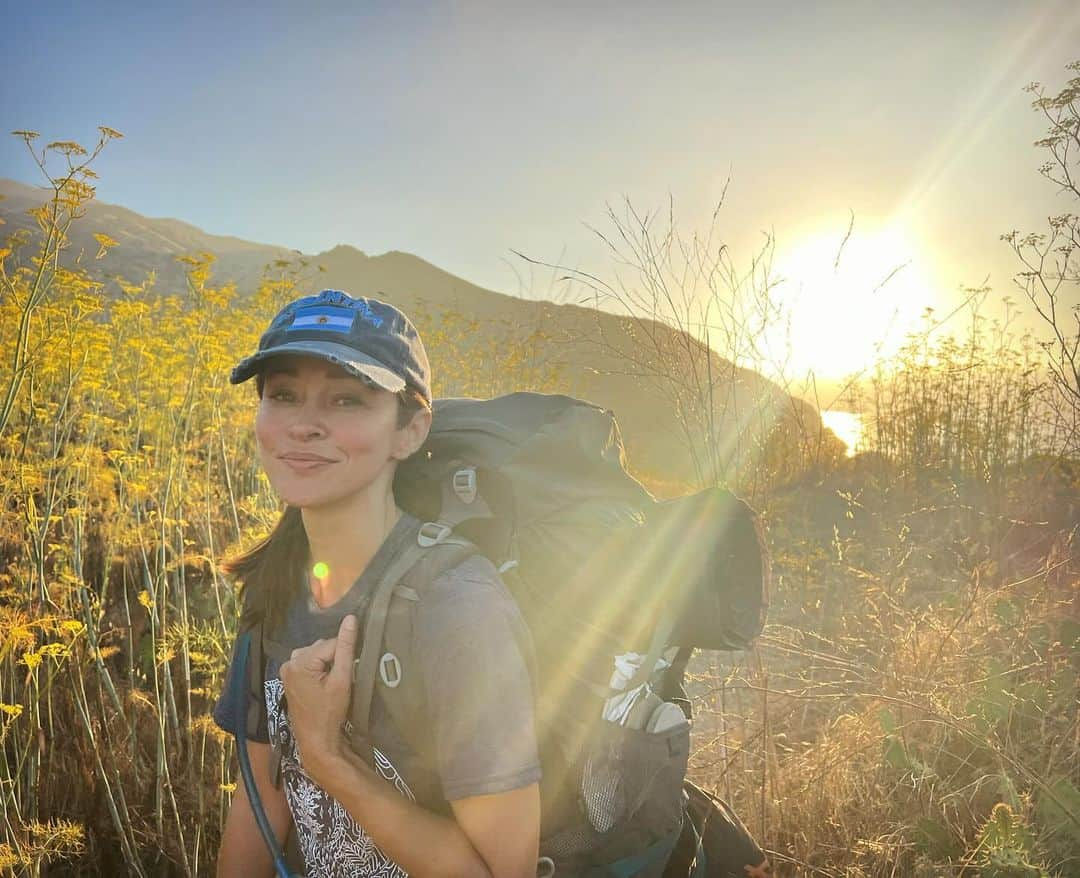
[325, 436]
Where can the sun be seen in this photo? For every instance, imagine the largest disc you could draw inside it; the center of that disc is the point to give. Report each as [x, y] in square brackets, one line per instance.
[847, 304]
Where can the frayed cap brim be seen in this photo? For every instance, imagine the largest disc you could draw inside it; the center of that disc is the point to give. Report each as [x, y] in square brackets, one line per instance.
[348, 358]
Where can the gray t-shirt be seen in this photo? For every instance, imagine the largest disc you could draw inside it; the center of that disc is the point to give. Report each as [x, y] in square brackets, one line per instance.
[467, 632]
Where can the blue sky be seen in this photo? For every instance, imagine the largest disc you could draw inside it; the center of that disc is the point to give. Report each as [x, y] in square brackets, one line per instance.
[460, 131]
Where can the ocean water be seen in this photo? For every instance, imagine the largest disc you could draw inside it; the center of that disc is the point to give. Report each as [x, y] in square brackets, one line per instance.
[848, 426]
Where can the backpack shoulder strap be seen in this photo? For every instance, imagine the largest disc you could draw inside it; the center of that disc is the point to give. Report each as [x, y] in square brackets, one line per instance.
[260, 648]
[405, 697]
[256, 667]
[376, 660]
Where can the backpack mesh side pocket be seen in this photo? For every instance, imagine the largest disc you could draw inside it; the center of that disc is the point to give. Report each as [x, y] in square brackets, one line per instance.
[630, 797]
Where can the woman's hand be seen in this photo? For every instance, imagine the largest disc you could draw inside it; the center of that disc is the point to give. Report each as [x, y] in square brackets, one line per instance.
[317, 681]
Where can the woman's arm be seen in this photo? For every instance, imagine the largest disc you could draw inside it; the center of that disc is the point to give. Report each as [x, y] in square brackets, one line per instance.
[493, 836]
[504, 828]
[243, 852]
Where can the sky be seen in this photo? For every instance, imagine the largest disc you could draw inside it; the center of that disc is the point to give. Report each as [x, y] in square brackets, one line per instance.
[462, 132]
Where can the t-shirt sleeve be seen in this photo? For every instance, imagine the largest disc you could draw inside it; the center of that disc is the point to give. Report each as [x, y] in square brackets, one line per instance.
[226, 709]
[470, 637]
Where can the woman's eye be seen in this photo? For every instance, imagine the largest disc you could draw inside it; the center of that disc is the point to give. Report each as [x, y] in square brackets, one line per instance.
[348, 401]
[281, 395]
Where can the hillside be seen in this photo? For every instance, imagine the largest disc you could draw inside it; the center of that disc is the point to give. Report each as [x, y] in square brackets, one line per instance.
[638, 368]
[145, 244]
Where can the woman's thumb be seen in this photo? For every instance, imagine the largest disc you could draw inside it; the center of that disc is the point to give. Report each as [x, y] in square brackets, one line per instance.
[345, 651]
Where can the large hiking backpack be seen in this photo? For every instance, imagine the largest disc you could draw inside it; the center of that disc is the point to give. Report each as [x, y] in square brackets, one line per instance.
[600, 570]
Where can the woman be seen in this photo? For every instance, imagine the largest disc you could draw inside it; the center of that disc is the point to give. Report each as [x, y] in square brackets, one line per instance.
[344, 396]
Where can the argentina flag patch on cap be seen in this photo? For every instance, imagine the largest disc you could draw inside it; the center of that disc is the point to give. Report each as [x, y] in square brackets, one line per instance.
[328, 318]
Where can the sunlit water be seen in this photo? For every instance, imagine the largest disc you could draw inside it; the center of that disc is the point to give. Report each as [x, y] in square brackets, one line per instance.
[848, 426]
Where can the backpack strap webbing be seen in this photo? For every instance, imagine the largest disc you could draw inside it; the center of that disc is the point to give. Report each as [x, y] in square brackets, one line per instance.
[434, 558]
[406, 699]
[253, 628]
[256, 667]
[659, 643]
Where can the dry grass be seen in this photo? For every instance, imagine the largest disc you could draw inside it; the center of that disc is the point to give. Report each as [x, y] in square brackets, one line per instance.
[912, 709]
[920, 668]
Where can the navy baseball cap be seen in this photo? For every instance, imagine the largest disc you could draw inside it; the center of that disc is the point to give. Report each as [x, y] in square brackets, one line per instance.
[368, 338]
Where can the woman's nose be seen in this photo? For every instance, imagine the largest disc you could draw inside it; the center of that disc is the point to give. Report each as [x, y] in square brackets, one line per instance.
[307, 424]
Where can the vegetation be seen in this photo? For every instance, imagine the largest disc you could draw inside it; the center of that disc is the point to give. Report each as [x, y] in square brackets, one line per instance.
[912, 707]
[734, 427]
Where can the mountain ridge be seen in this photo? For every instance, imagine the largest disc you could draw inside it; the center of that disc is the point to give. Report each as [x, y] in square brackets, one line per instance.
[630, 365]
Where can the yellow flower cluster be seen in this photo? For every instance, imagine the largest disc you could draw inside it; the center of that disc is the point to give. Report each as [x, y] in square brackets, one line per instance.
[127, 468]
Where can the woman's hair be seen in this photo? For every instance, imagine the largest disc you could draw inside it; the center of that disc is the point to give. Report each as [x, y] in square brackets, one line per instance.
[272, 571]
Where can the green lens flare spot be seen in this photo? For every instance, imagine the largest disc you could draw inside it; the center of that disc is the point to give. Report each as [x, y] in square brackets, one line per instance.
[321, 570]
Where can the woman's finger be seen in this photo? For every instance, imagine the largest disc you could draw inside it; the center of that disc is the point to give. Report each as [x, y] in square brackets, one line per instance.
[345, 649]
[316, 657]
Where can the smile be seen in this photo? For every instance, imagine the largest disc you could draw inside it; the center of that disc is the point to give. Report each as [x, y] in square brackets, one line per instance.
[305, 464]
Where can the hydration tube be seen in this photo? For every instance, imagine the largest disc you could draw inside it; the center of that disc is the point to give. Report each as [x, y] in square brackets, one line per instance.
[238, 696]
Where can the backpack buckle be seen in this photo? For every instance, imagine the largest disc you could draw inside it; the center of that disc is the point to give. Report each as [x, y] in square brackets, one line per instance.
[390, 670]
[464, 484]
[432, 533]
